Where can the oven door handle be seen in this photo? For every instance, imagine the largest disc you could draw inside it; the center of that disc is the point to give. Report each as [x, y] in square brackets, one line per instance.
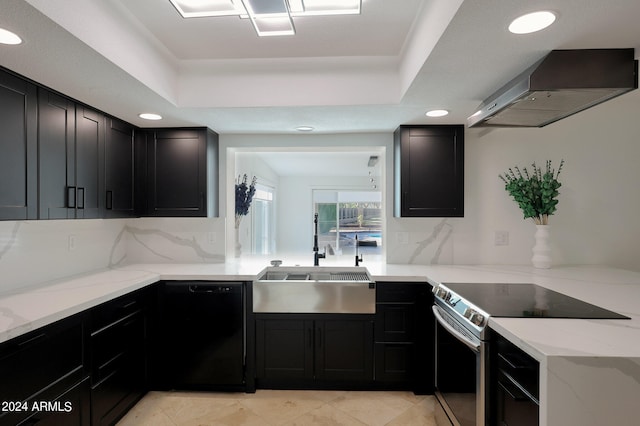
[455, 333]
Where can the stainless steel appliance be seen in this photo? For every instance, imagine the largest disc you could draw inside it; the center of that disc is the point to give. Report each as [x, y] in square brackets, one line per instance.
[463, 339]
[561, 84]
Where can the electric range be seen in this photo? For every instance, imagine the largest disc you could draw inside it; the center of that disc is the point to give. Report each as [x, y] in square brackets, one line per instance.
[462, 312]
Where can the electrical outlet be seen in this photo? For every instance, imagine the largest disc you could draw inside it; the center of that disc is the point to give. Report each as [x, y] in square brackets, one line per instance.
[71, 242]
[211, 237]
[501, 238]
[402, 237]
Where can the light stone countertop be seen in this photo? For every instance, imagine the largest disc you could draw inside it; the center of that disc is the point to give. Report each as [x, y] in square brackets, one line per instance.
[590, 369]
[614, 289]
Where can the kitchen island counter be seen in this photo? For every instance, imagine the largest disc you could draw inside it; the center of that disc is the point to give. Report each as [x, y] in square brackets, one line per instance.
[589, 369]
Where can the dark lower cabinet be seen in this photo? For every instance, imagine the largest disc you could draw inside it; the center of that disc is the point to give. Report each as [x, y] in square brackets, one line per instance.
[514, 380]
[343, 350]
[314, 351]
[43, 377]
[404, 336]
[118, 355]
[71, 408]
[18, 148]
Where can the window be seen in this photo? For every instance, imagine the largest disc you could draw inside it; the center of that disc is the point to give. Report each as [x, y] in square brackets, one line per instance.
[344, 216]
[263, 220]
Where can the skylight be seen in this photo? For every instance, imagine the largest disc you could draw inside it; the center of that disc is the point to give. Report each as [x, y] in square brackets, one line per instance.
[268, 17]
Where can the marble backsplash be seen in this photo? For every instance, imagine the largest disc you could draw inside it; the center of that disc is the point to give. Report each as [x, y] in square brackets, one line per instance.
[429, 242]
[170, 240]
[32, 252]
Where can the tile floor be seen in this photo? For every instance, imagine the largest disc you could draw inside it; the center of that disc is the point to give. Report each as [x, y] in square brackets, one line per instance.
[276, 408]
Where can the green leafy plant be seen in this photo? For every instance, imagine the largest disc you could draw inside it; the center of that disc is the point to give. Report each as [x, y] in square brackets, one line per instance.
[536, 193]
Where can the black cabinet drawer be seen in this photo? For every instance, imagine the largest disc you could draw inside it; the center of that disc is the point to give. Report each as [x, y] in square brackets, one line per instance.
[40, 366]
[116, 310]
[515, 380]
[111, 344]
[515, 408]
[34, 361]
[118, 390]
[400, 292]
[71, 408]
[395, 322]
[117, 350]
[518, 368]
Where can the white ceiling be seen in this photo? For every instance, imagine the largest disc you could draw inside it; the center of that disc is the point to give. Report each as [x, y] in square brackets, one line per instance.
[340, 74]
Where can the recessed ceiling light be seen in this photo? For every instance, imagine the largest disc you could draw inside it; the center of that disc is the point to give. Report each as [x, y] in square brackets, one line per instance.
[150, 116]
[437, 113]
[304, 128]
[7, 37]
[532, 22]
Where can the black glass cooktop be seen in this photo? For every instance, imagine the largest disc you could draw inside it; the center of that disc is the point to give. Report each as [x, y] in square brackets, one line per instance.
[527, 300]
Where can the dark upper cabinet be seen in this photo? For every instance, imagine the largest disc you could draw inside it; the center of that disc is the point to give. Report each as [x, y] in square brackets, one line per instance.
[60, 159]
[119, 169]
[89, 164]
[71, 152]
[429, 171]
[56, 146]
[182, 172]
[18, 148]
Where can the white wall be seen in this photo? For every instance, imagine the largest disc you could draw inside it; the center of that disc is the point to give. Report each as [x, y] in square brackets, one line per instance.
[251, 165]
[596, 221]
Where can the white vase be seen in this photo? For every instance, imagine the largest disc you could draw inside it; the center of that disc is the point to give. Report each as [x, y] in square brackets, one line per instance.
[238, 246]
[542, 250]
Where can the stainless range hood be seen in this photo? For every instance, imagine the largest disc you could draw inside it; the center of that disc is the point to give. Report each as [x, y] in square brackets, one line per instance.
[561, 84]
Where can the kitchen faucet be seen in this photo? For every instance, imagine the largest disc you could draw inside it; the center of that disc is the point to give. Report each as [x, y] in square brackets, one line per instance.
[358, 258]
[316, 255]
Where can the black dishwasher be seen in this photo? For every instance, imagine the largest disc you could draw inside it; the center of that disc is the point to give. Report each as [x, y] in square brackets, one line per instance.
[201, 336]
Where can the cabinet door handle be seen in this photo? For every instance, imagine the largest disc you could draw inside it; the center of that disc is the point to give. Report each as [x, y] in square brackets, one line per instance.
[109, 201]
[80, 198]
[310, 332]
[319, 336]
[71, 197]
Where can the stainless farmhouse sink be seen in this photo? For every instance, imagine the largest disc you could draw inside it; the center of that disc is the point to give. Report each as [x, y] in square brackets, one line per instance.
[314, 289]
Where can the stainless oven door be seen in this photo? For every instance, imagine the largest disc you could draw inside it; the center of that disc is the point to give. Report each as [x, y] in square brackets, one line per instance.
[461, 365]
